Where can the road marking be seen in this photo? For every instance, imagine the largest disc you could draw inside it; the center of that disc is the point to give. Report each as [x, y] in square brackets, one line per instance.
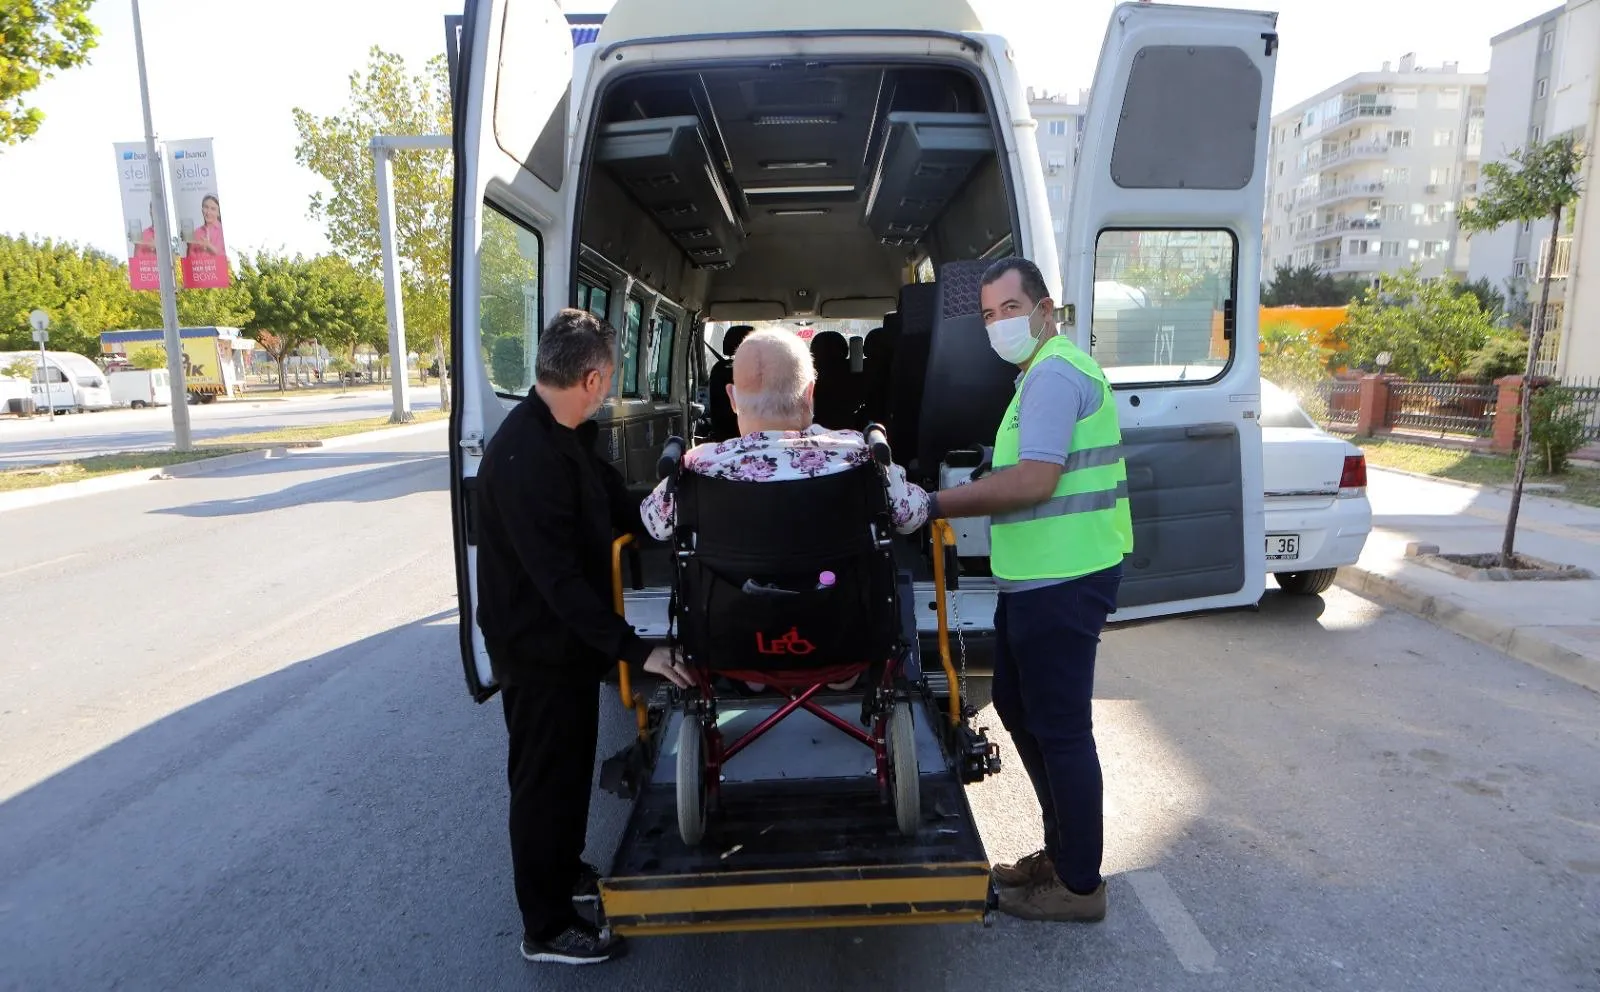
[39, 564]
[1162, 904]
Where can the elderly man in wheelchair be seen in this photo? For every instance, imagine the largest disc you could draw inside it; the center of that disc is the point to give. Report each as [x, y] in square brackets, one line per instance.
[785, 577]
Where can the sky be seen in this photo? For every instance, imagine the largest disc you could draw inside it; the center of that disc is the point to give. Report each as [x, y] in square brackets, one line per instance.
[236, 75]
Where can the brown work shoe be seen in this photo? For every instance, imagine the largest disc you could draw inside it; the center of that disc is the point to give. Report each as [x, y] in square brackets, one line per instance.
[1033, 869]
[1054, 901]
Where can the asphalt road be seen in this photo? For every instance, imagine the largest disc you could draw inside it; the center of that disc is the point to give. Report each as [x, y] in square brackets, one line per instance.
[80, 435]
[236, 753]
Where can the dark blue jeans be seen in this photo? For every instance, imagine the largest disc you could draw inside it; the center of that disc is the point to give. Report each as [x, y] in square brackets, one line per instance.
[1043, 687]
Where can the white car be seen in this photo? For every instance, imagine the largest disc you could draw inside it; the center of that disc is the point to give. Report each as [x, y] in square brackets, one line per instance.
[1318, 516]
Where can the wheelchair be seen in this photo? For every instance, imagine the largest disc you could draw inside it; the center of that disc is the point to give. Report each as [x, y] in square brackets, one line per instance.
[791, 585]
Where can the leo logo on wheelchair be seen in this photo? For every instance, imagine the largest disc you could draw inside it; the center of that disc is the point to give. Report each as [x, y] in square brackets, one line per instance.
[790, 643]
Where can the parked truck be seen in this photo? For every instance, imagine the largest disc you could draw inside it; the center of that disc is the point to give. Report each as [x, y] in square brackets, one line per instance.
[210, 368]
[140, 388]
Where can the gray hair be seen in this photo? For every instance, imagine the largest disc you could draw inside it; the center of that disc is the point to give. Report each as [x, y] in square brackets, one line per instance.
[573, 344]
[1033, 286]
[784, 369]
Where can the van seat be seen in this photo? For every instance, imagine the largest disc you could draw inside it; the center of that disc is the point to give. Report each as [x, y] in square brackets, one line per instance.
[968, 386]
[910, 368]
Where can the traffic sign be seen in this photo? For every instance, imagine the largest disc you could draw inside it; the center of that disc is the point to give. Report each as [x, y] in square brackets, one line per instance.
[40, 322]
[41, 336]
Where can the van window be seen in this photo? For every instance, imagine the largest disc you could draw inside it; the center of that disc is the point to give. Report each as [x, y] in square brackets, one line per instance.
[509, 303]
[627, 375]
[661, 374]
[593, 295]
[1159, 303]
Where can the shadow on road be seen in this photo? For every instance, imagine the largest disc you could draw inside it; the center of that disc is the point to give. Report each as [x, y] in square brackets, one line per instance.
[392, 475]
[341, 824]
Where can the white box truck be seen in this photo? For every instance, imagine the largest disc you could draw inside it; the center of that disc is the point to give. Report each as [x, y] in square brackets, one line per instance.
[140, 388]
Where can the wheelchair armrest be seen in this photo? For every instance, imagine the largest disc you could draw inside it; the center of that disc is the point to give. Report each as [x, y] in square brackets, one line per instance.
[878, 444]
[671, 458]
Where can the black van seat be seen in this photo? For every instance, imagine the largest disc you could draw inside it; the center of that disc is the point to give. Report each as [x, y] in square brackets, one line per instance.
[917, 304]
[838, 391]
[724, 424]
[877, 362]
[968, 386]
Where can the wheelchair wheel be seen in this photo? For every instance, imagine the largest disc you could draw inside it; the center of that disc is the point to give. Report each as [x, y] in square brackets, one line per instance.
[904, 778]
[691, 780]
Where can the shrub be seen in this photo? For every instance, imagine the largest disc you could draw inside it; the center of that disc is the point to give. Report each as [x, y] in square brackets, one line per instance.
[1558, 428]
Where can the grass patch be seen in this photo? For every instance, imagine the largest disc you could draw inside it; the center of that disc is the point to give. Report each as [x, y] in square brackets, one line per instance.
[323, 432]
[1582, 484]
[36, 476]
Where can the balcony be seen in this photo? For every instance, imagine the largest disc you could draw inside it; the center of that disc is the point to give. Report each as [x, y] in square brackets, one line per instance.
[1563, 262]
[1345, 192]
[1352, 153]
[1349, 114]
[1338, 228]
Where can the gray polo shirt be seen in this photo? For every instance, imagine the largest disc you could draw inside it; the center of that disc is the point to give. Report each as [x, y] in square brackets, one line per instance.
[1054, 398]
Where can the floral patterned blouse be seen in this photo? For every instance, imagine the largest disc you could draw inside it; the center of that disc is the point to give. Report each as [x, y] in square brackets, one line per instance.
[776, 456]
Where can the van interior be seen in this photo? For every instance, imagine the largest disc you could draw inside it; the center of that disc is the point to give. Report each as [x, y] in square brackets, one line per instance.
[790, 191]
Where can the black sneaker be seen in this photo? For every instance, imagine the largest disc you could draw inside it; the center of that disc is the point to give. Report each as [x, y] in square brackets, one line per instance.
[579, 943]
[587, 887]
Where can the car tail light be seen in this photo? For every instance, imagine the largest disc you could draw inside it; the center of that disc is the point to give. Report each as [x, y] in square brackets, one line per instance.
[1353, 480]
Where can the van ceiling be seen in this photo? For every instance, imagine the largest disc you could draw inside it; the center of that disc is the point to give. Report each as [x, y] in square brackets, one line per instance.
[790, 128]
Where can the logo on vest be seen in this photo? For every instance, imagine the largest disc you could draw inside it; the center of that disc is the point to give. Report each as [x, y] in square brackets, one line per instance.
[790, 643]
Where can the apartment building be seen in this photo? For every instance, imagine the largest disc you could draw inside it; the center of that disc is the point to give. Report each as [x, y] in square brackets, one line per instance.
[1542, 84]
[1060, 125]
[1365, 177]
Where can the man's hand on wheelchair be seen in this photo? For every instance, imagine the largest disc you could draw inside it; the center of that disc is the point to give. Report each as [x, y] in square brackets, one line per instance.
[664, 661]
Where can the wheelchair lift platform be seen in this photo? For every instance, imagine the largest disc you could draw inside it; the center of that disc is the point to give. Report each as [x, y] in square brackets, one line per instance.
[802, 837]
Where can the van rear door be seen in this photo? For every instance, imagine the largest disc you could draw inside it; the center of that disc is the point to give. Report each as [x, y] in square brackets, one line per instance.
[1162, 272]
[511, 248]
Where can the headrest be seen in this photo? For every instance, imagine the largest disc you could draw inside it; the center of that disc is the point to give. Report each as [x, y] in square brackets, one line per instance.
[830, 346]
[968, 387]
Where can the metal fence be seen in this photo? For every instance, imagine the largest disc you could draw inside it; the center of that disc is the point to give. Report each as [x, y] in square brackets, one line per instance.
[1586, 400]
[1340, 402]
[1442, 408]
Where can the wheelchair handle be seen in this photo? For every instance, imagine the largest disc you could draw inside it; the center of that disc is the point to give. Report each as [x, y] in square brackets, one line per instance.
[878, 444]
[671, 457]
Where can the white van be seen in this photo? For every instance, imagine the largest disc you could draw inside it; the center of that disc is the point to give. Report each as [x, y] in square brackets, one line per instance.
[713, 161]
[140, 388]
[69, 382]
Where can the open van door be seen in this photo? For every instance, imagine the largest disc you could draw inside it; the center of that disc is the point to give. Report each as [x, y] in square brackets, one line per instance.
[511, 247]
[1162, 274]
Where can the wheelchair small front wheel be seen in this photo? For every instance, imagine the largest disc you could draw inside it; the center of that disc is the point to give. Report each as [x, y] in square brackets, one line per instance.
[691, 780]
[905, 779]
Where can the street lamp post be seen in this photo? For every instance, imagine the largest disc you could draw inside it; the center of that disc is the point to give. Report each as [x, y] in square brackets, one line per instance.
[169, 288]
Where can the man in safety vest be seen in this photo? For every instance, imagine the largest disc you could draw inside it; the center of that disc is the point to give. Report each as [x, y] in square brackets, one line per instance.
[1057, 503]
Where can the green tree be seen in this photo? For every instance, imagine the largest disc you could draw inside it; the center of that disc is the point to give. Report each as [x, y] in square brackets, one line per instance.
[1505, 353]
[388, 98]
[38, 38]
[223, 307]
[1310, 286]
[150, 356]
[354, 305]
[84, 290]
[1542, 180]
[1490, 299]
[20, 367]
[1427, 328]
[288, 304]
[1292, 360]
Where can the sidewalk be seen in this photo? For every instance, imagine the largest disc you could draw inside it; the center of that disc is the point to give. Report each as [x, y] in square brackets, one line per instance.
[1553, 625]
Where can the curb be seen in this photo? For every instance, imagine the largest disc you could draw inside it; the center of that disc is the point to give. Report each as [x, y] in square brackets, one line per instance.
[25, 498]
[1521, 643]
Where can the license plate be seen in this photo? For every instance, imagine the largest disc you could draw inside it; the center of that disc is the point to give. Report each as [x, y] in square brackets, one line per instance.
[1283, 547]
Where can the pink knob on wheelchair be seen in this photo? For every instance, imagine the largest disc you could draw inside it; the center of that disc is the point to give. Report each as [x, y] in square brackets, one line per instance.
[826, 580]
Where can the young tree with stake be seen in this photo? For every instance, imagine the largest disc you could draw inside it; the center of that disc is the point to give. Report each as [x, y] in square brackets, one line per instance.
[1542, 180]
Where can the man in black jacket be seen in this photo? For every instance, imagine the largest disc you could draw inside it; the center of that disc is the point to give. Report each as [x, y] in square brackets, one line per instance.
[549, 510]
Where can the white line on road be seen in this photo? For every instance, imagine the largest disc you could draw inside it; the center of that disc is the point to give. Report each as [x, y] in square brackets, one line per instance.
[1162, 904]
[39, 564]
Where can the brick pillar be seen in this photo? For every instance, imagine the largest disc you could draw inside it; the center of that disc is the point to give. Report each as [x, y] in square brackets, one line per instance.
[1372, 405]
[1507, 407]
